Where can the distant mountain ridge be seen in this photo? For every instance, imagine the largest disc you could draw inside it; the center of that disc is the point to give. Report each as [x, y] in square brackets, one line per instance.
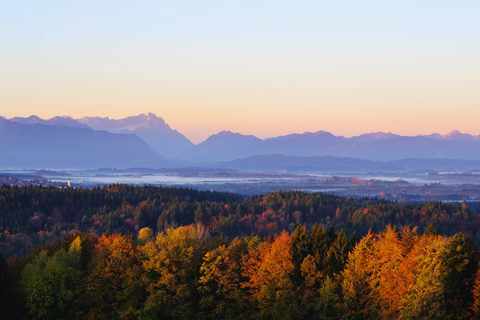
[222, 146]
[372, 136]
[378, 146]
[58, 146]
[125, 125]
[55, 121]
[158, 134]
[297, 164]
[457, 135]
[228, 146]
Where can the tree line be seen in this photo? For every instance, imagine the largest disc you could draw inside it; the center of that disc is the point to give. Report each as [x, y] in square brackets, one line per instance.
[32, 216]
[185, 273]
[129, 252]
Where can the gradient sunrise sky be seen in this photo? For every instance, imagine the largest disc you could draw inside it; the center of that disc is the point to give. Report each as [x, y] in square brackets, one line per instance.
[265, 68]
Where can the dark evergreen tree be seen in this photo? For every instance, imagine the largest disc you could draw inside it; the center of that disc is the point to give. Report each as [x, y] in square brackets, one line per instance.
[6, 290]
[461, 263]
[319, 247]
[339, 252]
[299, 251]
[431, 231]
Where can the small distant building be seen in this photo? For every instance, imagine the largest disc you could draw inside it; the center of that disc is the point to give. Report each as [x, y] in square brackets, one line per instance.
[68, 183]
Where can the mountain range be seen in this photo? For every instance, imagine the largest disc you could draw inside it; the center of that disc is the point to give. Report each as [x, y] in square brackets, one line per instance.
[55, 121]
[148, 141]
[152, 129]
[228, 146]
[58, 146]
[332, 164]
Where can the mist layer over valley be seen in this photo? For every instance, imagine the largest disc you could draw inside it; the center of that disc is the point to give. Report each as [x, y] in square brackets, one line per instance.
[144, 149]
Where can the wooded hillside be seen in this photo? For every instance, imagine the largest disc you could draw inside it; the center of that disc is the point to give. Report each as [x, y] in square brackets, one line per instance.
[125, 252]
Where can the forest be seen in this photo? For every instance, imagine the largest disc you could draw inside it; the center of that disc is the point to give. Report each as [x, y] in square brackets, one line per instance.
[130, 252]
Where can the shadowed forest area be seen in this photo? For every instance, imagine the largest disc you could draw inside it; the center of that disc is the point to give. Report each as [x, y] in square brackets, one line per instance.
[128, 252]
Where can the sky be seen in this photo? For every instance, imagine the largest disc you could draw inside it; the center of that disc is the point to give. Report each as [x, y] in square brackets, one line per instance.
[266, 68]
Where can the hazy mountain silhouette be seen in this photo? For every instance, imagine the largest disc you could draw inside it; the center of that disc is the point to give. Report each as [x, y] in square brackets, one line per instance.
[431, 136]
[373, 136]
[55, 121]
[279, 162]
[227, 146]
[296, 164]
[412, 164]
[306, 144]
[222, 146]
[152, 129]
[457, 135]
[415, 147]
[47, 146]
[374, 146]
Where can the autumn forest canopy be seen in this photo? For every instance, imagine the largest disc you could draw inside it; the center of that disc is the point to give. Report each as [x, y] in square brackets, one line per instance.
[129, 252]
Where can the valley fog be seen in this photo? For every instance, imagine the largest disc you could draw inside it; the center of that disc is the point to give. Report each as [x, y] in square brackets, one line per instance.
[421, 186]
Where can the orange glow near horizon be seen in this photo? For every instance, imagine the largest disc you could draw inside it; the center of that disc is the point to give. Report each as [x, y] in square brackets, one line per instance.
[269, 105]
[346, 68]
[198, 127]
[345, 106]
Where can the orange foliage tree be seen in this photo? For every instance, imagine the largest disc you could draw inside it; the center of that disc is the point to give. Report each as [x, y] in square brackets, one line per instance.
[270, 270]
[113, 287]
[396, 275]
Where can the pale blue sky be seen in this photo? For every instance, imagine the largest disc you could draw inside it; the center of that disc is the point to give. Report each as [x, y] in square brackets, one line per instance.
[255, 67]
